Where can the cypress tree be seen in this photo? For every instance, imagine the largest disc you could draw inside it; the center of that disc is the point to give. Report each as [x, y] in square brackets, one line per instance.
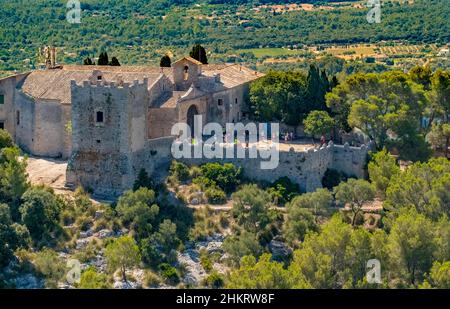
[87, 61]
[198, 52]
[165, 62]
[317, 86]
[103, 59]
[115, 62]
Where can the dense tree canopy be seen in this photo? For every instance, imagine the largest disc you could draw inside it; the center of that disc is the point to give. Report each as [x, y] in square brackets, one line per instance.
[288, 96]
[40, 212]
[382, 168]
[423, 186]
[13, 179]
[354, 193]
[140, 31]
[390, 108]
[138, 211]
[251, 207]
[318, 123]
[5, 139]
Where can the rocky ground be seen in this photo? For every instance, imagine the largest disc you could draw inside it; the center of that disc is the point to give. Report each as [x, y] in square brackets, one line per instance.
[52, 172]
[190, 258]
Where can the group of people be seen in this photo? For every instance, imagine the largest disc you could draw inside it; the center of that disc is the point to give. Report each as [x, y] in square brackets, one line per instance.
[288, 136]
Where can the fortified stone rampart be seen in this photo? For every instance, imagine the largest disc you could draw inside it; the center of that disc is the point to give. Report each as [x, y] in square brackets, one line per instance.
[305, 168]
[117, 172]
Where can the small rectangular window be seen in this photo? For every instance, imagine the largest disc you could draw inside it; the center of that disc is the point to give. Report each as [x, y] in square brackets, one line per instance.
[17, 117]
[99, 77]
[220, 102]
[236, 101]
[99, 117]
[2, 125]
[2, 99]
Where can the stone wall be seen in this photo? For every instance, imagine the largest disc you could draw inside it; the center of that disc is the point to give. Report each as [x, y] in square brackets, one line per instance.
[350, 160]
[24, 107]
[160, 89]
[233, 102]
[8, 109]
[305, 168]
[160, 121]
[48, 130]
[155, 158]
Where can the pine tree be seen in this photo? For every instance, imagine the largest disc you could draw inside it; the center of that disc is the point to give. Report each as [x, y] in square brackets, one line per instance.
[198, 52]
[143, 180]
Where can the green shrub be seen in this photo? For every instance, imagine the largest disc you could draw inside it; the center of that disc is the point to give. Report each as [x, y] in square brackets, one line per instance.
[86, 254]
[195, 171]
[179, 171]
[50, 267]
[203, 182]
[137, 211]
[215, 281]
[84, 223]
[151, 256]
[226, 176]
[151, 280]
[143, 180]
[83, 203]
[40, 213]
[5, 139]
[90, 279]
[67, 217]
[283, 190]
[215, 196]
[169, 273]
[241, 245]
[205, 261]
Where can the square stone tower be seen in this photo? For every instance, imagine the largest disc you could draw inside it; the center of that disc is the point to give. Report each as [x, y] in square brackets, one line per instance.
[105, 132]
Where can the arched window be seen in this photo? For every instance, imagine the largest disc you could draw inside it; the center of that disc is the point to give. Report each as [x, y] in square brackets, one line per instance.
[186, 72]
[192, 111]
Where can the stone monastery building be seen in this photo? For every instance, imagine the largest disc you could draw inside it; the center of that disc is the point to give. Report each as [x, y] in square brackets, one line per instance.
[102, 118]
[111, 122]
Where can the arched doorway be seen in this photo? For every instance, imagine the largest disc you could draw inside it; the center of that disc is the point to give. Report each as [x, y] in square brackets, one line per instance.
[192, 111]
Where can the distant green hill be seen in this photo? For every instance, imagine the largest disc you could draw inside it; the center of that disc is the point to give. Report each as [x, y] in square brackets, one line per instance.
[141, 31]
